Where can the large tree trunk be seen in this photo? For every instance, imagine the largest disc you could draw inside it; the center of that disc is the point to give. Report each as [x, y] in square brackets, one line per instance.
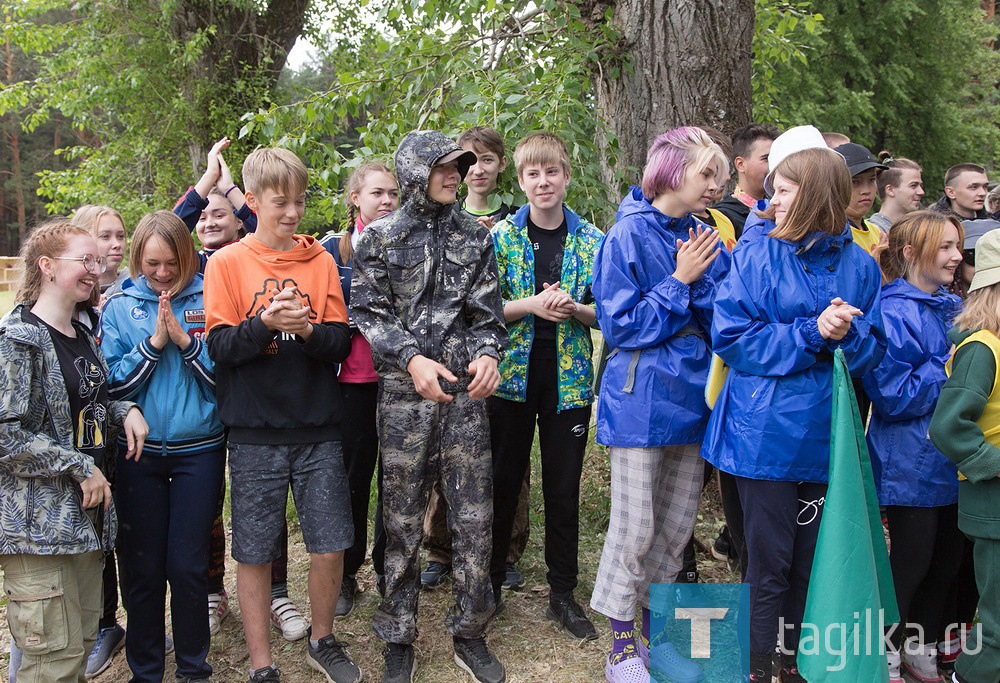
[248, 46]
[690, 65]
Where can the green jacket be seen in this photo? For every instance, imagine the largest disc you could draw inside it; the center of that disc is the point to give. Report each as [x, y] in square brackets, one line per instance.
[955, 432]
[40, 471]
[516, 263]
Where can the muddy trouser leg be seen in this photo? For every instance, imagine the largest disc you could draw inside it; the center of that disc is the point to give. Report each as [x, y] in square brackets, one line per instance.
[409, 438]
[437, 538]
[522, 521]
[467, 483]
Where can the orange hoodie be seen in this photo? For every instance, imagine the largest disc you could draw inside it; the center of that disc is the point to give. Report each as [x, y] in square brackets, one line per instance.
[275, 387]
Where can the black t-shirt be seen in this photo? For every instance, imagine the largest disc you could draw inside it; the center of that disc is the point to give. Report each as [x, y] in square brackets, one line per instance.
[548, 246]
[87, 387]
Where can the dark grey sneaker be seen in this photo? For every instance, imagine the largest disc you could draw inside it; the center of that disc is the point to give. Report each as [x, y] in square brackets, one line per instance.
[473, 657]
[400, 663]
[268, 674]
[348, 589]
[330, 660]
[566, 611]
[435, 574]
[513, 578]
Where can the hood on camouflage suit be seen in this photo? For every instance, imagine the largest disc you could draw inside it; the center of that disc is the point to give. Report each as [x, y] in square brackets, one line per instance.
[417, 154]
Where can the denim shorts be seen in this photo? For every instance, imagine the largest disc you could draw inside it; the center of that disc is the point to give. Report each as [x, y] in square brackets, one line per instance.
[259, 477]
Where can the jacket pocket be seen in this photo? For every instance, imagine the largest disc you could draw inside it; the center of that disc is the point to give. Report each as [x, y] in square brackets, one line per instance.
[460, 263]
[36, 611]
[406, 266]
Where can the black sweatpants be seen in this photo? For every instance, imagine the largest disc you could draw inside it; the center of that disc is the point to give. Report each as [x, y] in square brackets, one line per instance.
[360, 443]
[562, 437]
[925, 555]
[781, 523]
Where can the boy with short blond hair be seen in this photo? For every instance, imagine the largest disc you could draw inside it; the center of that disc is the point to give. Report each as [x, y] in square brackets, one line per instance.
[277, 323]
[545, 257]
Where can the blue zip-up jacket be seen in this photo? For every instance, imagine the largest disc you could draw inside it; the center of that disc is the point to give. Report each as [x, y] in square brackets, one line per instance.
[904, 390]
[772, 419]
[331, 242]
[653, 387]
[175, 390]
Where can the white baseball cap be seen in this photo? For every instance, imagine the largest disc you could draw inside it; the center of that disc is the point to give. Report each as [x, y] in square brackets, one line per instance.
[791, 141]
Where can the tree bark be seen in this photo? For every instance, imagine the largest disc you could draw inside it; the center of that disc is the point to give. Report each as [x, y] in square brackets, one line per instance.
[680, 62]
[248, 46]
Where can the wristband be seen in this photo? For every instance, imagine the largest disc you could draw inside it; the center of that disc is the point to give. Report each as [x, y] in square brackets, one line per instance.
[226, 194]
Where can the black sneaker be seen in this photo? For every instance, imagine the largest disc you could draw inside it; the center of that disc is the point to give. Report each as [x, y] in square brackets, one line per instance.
[400, 663]
[513, 578]
[473, 657]
[268, 674]
[761, 667]
[566, 611]
[330, 660]
[435, 574]
[348, 589]
[789, 671]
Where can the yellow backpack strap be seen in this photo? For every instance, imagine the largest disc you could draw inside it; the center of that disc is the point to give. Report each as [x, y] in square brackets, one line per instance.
[992, 343]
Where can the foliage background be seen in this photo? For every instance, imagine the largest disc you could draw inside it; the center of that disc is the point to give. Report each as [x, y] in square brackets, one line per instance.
[117, 102]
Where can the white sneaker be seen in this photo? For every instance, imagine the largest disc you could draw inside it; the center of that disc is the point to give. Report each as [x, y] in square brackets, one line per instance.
[218, 610]
[894, 675]
[920, 661]
[285, 617]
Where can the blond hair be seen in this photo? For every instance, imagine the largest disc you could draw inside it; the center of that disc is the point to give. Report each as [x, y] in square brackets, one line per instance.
[923, 231]
[89, 217]
[541, 149]
[276, 169]
[48, 239]
[982, 310]
[171, 229]
[824, 193]
[354, 184]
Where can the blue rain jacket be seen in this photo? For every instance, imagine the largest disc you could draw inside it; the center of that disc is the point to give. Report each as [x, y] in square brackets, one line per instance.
[904, 389]
[653, 388]
[176, 390]
[772, 419]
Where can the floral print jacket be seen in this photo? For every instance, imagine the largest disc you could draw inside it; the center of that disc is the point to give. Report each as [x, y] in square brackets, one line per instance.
[516, 263]
[41, 509]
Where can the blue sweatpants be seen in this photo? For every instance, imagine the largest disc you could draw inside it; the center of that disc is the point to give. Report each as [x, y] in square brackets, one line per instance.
[166, 506]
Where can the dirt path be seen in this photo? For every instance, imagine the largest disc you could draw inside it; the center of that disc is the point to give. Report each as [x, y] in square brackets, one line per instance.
[531, 648]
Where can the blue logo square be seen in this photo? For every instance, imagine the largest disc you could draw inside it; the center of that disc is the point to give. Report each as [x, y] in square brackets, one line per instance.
[696, 625]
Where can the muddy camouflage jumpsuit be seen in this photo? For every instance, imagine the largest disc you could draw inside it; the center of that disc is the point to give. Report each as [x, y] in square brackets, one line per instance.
[425, 282]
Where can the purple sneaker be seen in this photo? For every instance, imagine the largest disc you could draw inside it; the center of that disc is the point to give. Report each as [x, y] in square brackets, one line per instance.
[627, 670]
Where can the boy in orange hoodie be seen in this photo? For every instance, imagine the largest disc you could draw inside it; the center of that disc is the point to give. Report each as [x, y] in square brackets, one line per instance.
[277, 325]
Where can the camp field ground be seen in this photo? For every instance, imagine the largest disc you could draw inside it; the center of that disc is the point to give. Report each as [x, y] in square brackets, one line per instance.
[531, 647]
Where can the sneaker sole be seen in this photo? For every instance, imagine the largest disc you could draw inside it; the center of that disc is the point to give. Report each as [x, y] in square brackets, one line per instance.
[553, 617]
[313, 664]
[465, 667]
[345, 614]
[910, 675]
[277, 628]
[722, 557]
[413, 669]
[107, 662]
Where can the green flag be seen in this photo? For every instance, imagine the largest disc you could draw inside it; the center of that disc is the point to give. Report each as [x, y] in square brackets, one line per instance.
[851, 581]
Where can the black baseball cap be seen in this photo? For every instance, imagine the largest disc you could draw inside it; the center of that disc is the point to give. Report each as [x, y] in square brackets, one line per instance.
[858, 158]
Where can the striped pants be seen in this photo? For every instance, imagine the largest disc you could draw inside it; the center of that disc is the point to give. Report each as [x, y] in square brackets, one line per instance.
[654, 504]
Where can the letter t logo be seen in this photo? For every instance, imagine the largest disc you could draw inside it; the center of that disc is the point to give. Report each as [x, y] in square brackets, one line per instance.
[701, 628]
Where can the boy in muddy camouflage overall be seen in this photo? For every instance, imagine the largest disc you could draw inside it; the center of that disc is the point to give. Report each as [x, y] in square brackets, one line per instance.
[426, 295]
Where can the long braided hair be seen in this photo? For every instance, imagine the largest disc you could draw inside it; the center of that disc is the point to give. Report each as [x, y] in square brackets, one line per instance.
[354, 185]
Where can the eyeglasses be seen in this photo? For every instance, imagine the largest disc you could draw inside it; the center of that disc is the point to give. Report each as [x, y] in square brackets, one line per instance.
[94, 264]
[969, 256]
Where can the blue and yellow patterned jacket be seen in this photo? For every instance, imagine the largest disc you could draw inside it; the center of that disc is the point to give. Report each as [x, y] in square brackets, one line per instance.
[516, 262]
